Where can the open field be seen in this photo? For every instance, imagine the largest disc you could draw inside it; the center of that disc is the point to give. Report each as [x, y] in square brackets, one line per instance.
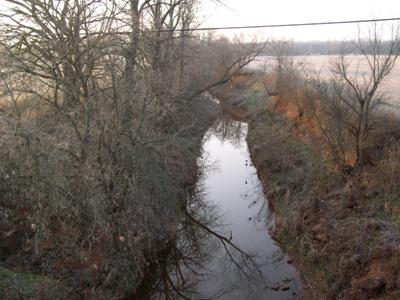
[322, 64]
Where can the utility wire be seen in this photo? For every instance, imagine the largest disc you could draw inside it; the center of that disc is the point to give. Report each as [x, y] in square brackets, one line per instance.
[281, 25]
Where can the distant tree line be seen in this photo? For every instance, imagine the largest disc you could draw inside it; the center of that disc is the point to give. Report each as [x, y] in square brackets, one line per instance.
[328, 48]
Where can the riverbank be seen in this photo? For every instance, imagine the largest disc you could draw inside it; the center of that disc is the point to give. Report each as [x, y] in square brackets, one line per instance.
[339, 231]
[66, 266]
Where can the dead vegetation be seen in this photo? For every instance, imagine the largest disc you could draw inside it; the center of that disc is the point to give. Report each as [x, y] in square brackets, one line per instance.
[335, 226]
[101, 122]
[338, 217]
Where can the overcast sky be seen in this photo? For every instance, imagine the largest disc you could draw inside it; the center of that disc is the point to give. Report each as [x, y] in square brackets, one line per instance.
[260, 12]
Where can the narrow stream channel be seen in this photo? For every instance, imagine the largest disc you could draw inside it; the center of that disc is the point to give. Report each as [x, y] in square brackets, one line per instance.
[230, 184]
[222, 249]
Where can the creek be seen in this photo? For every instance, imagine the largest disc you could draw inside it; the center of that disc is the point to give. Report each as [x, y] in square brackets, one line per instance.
[223, 249]
[230, 184]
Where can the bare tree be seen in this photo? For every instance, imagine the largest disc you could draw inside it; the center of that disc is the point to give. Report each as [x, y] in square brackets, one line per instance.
[100, 95]
[225, 59]
[356, 91]
[282, 66]
[328, 115]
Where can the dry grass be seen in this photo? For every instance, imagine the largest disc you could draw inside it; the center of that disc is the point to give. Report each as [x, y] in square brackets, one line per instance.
[335, 226]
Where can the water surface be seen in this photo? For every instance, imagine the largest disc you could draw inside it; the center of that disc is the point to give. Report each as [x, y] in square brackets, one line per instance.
[222, 249]
[232, 186]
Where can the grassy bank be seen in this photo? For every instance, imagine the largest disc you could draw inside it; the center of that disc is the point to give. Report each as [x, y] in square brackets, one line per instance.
[340, 230]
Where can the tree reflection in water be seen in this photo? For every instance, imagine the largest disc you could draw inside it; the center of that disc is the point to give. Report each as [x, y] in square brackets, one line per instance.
[204, 261]
[227, 128]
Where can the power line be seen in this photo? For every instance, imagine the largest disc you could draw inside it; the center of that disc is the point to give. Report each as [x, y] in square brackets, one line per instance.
[282, 25]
